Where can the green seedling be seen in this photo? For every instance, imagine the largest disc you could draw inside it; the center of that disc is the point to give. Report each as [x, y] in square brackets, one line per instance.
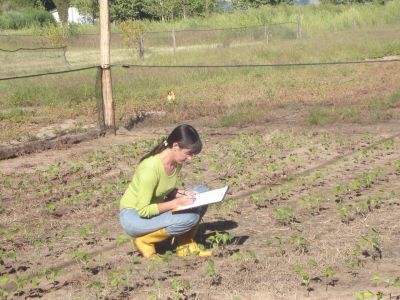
[81, 256]
[219, 239]
[362, 295]
[328, 274]
[4, 279]
[155, 295]
[299, 242]
[52, 274]
[397, 165]
[4, 294]
[51, 208]
[97, 285]
[123, 238]
[210, 268]
[345, 212]
[304, 276]
[362, 207]
[179, 288]
[117, 279]
[238, 256]
[84, 231]
[388, 144]
[311, 203]
[372, 244]
[284, 215]
[21, 281]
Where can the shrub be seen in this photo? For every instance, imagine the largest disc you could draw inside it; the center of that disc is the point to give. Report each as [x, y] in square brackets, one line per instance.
[26, 18]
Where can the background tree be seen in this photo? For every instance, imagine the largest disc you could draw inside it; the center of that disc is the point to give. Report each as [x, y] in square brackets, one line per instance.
[122, 10]
[88, 7]
[62, 9]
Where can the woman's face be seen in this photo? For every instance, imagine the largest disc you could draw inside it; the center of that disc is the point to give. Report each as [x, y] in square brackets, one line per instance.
[182, 155]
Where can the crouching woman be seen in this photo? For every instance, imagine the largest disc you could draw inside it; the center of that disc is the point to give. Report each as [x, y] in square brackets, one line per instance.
[146, 208]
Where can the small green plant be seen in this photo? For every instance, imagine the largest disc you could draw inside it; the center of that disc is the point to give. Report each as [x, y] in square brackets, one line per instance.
[284, 215]
[117, 279]
[97, 285]
[219, 239]
[81, 256]
[299, 242]
[51, 208]
[371, 244]
[123, 238]
[362, 295]
[52, 274]
[328, 274]
[311, 203]
[179, 288]
[155, 295]
[345, 212]
[305, 277]
[210, 268]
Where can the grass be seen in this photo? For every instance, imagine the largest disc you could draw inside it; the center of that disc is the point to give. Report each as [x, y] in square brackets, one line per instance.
[231, 96]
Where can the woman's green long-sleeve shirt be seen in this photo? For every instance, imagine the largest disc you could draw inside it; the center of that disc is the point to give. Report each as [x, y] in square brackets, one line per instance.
[150, 185]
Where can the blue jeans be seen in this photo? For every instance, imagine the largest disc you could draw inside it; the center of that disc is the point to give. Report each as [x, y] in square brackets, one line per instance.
[174, 223]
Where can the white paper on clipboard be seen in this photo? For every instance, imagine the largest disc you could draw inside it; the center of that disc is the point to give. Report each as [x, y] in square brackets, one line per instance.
[206, 198]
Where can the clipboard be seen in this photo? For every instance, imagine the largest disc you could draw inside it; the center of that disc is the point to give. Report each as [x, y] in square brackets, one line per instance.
[206, 198]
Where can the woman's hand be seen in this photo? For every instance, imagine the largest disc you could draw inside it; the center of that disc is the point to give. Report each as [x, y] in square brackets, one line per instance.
[186, 199]
[181, 199]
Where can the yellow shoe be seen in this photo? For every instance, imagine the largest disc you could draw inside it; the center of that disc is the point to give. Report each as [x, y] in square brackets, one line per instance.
[187, 246]
[192, 248]
[145, 243]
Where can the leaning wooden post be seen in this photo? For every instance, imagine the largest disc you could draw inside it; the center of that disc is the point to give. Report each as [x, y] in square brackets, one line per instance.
[140, 46]
[173, 40]
[299, 35]
[266, 34]
[106, 85]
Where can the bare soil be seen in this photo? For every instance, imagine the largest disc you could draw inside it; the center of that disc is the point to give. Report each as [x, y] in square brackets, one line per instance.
[61, 238]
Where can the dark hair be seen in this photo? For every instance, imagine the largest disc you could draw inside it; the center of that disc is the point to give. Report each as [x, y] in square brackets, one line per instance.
[186, 137]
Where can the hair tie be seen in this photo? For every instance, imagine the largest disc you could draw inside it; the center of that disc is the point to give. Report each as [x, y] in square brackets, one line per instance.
[165, 143]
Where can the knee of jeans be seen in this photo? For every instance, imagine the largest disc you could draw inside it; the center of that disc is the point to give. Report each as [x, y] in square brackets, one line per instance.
[199, 188]
[190, 220]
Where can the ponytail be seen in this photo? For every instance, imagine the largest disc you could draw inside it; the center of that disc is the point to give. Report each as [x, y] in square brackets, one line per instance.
[156, 150]
[186, 137]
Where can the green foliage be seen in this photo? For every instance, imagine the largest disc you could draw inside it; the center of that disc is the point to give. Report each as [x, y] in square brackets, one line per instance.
[210, 268]
[123, 238]
[312, 203]
[284, 215]
[362, 295]
[179, 287]
[131, 31]
[55, 35]
[62, 9]
[81, 255]
[299, 242]
[25, 18]
[90, 7]
[122, 10]
[219, 239]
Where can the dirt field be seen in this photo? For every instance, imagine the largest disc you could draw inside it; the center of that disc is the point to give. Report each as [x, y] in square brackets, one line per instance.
[312, 213]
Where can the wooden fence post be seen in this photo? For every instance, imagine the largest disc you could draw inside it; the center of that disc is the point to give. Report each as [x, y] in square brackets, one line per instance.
[140, 46]
[299, 35]
[106, 86]
[266, 34]
[173, 40]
